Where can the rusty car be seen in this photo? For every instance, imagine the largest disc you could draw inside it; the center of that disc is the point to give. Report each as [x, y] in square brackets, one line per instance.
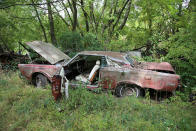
[116, 71]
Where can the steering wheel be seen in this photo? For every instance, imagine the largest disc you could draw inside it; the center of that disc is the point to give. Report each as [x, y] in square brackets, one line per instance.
[79, 68]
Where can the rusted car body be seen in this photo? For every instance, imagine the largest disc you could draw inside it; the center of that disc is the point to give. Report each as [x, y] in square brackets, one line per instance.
[53, 56]
[117, 71]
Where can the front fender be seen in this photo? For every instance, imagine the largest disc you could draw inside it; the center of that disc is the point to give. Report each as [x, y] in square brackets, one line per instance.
[29, 70]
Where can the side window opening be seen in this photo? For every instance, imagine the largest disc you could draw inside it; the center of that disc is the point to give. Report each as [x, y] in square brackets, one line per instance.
[83, 65]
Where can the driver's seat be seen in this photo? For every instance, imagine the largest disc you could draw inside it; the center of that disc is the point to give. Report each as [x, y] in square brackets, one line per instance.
[91, 75]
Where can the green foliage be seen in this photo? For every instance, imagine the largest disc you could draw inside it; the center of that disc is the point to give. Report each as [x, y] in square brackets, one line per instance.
[181, 53]
[117, 45]
[90, 42]
[74, 42]
[24, 107]
[137, 38]
[6, 26]
[12, 66]
[71, 40]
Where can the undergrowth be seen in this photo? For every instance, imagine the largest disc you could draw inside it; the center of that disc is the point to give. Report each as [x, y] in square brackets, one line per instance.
[23, 107]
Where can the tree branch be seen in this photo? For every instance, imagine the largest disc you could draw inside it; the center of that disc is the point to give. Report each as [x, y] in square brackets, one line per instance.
[126, 16]
[102, 14]
[39, 19]
[92, 16]
[28, 4]
[119, 16]
[60, 16]
[67, 12]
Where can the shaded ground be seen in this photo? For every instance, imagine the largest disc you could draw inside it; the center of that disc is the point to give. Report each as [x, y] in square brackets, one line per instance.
[24, 107]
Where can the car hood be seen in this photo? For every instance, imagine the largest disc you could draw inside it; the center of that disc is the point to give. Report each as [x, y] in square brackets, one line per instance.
[48, 51]
[162, 66]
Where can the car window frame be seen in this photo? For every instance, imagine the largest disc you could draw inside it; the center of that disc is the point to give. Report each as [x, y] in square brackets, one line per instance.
[72, 59]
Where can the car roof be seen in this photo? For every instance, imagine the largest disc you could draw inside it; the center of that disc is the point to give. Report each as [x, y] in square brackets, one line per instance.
[116, 55]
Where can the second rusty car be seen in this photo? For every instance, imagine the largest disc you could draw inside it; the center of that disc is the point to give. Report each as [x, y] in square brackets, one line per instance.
[99, 69]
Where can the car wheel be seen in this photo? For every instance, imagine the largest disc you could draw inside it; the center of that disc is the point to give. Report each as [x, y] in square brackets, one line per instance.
[40, 81]
[124, 90]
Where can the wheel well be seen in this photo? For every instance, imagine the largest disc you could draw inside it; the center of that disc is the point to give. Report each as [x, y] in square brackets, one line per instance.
[34, 76]
[127, 84]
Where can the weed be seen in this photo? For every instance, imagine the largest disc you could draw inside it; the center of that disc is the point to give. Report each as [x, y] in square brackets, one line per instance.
[23, 107]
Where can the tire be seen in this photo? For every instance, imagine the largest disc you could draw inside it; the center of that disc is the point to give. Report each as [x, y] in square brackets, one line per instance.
[40, 81]
[127, 90]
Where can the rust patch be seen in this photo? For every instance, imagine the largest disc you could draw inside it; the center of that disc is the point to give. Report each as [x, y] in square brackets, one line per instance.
[56, 87]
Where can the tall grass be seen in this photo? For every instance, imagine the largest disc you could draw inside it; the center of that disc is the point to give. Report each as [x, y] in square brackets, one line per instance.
[24, 107]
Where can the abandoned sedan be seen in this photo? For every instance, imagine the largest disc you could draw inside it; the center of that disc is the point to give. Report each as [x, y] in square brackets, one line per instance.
[98, 69]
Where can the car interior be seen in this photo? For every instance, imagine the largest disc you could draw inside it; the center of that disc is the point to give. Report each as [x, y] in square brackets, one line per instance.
[85, 69]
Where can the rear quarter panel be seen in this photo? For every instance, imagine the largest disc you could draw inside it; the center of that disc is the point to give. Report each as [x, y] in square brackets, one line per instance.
[111, 77]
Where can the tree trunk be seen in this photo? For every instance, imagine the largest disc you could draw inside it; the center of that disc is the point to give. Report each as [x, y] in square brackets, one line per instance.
[75, 20]
[40, 22]
[50, 17]
[85, 16]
